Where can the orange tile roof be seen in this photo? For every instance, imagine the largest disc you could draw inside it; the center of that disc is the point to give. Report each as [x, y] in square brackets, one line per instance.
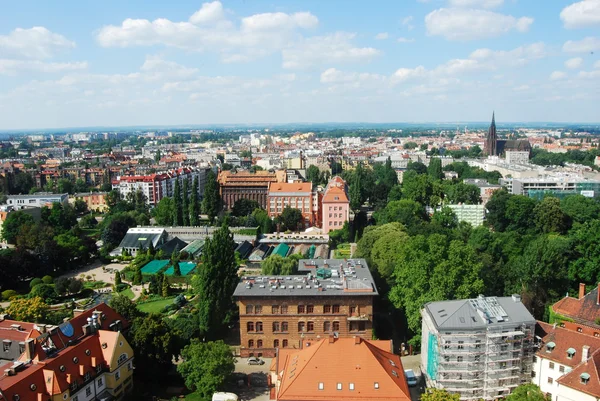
[336, 188]
[343, 360]
[290, 187]
[591, 367]
[585, 309]
[564, 339]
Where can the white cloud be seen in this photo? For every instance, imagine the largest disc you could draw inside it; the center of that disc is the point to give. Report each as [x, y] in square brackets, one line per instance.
[521, 88]
[586, 45]
[574, 63]
[470, 24]
[597, 64]
[405, 40]
[556, 75]
[589, 74]
[476, 3]
[518, 56]
[382, 36]
[330, 49]
[34, 43]
[405, 74]
[15, 67]
[208, 30]
[208, 13]
[582, 14]
[407, 22]
[333, 75]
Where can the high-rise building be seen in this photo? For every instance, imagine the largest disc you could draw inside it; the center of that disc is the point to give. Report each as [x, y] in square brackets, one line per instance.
[479, 348]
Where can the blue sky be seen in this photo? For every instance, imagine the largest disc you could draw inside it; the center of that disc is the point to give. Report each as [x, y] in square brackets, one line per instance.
[74, 63]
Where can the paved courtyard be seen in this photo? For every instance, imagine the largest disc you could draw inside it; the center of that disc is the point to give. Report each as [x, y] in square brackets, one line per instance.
[257, 389]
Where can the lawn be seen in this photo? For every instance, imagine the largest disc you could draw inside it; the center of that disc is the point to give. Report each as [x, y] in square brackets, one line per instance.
[155, 306]
[193, 397]
[342, 251]
[128, 293]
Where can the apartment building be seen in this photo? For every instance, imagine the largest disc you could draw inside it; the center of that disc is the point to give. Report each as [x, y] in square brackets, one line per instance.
[327, 297]
[472, 214]
[84, 359]
[333, 369]
[247, 185]
[298, 195]
[555, 185]
[335, 205]
[95, 201]
[479, 348]
[40, 199]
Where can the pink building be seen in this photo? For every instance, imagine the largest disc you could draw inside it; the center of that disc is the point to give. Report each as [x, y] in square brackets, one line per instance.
[335, 205]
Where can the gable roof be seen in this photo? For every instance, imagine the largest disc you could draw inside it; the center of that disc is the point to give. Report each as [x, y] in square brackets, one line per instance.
[585, 310]
[336, 188]
[297, 188]
[564, 339]
[344, 361]
[590, 367]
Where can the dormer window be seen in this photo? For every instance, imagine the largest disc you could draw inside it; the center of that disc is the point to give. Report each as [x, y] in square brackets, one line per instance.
[321, 386]
[550, 346]
[570, 353]
[339, 386]
[376, 385]
[585, 378]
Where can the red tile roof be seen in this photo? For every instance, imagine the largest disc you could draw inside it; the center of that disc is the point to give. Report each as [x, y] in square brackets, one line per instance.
[563, 340]
[585, 310]
[574, 380]
[336, 188]
[374, 372]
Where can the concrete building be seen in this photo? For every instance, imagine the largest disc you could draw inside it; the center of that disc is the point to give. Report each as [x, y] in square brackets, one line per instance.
[472, 214]
[36, 200]
[555, 185]
[94, 200]
[517, 157]
[327, 371]
[485, 188]
[295, 195]
[335, 206]
[247, 185]
[327, 297]
[479, 348]
[142, 237]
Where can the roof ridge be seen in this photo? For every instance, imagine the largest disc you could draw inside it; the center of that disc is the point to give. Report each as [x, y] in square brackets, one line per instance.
[316, 348]
[465, 302]
[376, 350]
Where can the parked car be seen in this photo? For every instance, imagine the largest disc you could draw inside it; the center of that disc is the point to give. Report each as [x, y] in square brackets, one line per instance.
[255, 361]
[411, 379]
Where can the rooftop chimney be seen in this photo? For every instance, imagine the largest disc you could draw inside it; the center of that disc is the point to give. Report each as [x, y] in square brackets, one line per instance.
[586, 353]
[331, 339]
[357, 340]
[29, 348]
[581, 290]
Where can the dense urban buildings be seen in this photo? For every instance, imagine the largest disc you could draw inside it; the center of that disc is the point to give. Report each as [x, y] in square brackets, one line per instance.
[327, 297]
[296, 196]
[335, 205]
[480, 348]
[246, 185]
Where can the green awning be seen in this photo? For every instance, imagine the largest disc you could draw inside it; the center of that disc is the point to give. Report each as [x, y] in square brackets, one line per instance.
[585, 376]
[571, 351]
[551, 344]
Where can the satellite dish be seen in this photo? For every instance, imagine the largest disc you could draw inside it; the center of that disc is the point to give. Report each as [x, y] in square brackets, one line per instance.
[67, 329]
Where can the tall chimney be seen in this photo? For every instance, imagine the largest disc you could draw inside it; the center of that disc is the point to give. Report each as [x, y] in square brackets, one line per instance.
[29, 348]
[581, 290]
[586, 353]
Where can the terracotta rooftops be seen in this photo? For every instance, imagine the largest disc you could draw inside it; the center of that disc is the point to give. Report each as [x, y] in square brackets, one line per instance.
[342, 369]
[585, 309]
[336, 191]
[285, 187]
[585, 377]
[559, 344]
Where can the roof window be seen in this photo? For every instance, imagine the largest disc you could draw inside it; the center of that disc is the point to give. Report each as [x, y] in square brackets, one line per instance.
[570, 353]
[585, 378]
[376, 385]
[321, 386]
[351, 386]
[550, 346]
[339, 386]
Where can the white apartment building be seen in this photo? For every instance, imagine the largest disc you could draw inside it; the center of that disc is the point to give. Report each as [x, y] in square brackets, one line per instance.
[472, 214]
[516, 157]
[39, 199]
[479, 348]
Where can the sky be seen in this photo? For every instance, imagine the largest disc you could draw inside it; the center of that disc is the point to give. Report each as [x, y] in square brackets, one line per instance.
[76, 63]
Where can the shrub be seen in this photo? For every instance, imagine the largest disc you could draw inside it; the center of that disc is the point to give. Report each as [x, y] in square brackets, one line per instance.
[8, 294]
[45, 292]
[121, 287]
[48, 280]
[35, 281]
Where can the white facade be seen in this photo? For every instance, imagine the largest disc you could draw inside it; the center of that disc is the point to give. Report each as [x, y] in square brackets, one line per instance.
[472, 214]
[516, 157]
[546, 374]
[36, 200]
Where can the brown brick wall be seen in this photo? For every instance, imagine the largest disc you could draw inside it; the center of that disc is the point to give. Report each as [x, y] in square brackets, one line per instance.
[363, 315]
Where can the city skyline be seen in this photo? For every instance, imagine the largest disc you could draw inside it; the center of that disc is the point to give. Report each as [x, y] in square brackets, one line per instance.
[235, 62]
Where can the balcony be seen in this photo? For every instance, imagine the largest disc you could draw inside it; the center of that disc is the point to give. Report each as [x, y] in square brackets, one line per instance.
[358, 318]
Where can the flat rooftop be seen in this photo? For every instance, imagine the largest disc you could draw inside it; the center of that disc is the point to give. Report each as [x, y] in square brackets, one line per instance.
[316, 277]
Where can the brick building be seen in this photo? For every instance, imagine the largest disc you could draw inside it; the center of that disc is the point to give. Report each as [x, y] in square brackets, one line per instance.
[247, 185]
[298, 195]
[327, 297]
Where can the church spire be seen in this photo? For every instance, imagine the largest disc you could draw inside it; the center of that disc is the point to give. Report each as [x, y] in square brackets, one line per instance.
[494, 118]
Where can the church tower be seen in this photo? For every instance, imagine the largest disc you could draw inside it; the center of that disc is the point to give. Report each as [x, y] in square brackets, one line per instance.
[491, 142]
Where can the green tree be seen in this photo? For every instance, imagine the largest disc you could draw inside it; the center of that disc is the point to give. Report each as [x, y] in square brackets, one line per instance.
[462, 193]
[75, 286]
[416, 187]
[496, 210]
[263, 221]
[291, 218]
[177, 205]
[195, 204]
[186, 203]
[384, 252]
[118, 280]
[434, 394]
[80, 206]
[580, 208]
[519, 213]
[137, 276]
[410, 145]
[527, 392]
[435, 169]
[445, 218]
[244, 207]
[61, 285]
[216, 282]
[206, 367]
[13, 223]
[154, 345]
[405, 211]
[585, 266]
[164, 211]
[417, 167]
[165, 289]
[125, 307]
[22, 183]
[32, 309]
[80, 186]
[278, 265]
[549, 217]
[211, 203]
[371, 235]
[45, 292]
[64, 185]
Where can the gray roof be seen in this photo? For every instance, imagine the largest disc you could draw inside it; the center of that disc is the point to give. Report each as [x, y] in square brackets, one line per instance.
[349, 278]
[136, 237]
[479, 313]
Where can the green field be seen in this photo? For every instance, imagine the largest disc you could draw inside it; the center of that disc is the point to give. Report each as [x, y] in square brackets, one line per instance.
[155, 306]
[342, 251]
[128, 293]
[193, 397]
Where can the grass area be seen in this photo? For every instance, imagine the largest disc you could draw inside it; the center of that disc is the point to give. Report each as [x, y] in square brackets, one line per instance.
[128, 293]
[342, 251]
[95, 284]
[91, 232]
[155, 306]
[193, 397]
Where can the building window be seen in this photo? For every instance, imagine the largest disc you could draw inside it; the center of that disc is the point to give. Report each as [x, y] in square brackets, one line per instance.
[100, 382]
[310, 308]
[259, 343]
[336, 326]
[6, 345]
[249, 309]
[351, 386]
[353, 311]
[551, 365]
[250, 326]
[310, 327]
[339, 386]
[122, 358]
[460, 345]
[258, 309]
[336, 309]
[275, 327]
[301, 309]
[259, 327]
[561, 369]
[321, 386]
[275, 309]
[275, 343]
[326, 326]
[550, 380]
[118, 375]
[250, 343]
[284, 327]
[326, 308]
[88, 391]
[283, 309]
[284, 343]
[301, 326]
[459, 359]
[87, 376]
